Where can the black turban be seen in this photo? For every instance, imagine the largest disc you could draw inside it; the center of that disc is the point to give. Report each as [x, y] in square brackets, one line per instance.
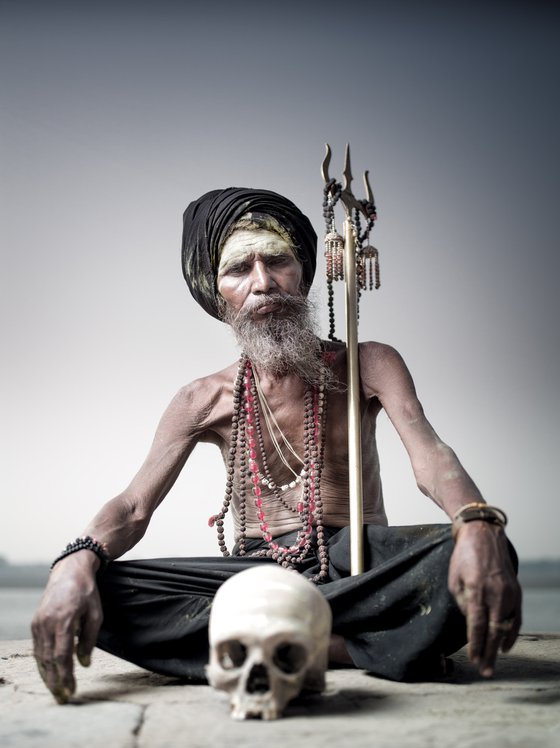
[207, 222]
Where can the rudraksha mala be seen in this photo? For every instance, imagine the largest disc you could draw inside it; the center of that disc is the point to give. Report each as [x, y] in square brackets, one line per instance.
[246, 444]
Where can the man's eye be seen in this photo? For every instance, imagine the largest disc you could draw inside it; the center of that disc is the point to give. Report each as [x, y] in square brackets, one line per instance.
[236, 269]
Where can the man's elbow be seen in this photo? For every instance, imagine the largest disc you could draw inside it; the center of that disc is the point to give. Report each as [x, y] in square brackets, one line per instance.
[439, 465]
[134, 514]
[423, 488]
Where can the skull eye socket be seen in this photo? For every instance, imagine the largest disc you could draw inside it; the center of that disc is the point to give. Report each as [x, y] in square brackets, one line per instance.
[290, 658]
[231, 654]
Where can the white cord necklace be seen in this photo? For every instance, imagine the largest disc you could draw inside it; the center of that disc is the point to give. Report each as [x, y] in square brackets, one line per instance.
[271, 421]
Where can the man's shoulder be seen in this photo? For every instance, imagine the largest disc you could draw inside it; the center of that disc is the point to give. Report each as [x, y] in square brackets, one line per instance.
[372, 353]
[378, 351]
[213, 380]
[369, 347]
[381, 366]
[205, 390]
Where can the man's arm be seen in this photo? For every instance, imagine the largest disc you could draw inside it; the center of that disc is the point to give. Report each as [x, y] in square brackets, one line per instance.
[71, 606]
[481, 575]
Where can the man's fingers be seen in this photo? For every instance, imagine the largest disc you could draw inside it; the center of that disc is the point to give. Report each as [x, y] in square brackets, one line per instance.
[494, 638]
[43, 651]
[501, 635]
[477, 624]
[509, 637]
[50, 673]
[53, 654]
[461, 598]
[476, 615]
[51, 680]
[42, 668]
[88, 636]
[38, 648]
[63, 653]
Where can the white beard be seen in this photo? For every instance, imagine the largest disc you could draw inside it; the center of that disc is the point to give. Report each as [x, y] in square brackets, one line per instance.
[283, 342]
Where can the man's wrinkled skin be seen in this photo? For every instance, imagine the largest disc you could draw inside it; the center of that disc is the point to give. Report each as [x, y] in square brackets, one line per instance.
[486, 591]
[261, 270]
[70, 620]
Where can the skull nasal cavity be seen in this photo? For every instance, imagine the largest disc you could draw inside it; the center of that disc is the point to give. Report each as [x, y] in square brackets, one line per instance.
[258, 682]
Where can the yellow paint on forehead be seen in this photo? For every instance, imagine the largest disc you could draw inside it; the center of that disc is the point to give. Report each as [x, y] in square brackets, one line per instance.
[244, 244]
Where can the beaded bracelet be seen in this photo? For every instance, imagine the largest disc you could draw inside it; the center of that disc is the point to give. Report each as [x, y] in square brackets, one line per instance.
[477, 511]
[84, 543]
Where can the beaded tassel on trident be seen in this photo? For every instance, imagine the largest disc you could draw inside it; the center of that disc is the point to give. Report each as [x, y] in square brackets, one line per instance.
[246, 442]
[334, 248]
[367, 257]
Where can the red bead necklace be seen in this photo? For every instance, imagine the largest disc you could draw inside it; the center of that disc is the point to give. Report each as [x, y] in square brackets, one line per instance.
[246, 442]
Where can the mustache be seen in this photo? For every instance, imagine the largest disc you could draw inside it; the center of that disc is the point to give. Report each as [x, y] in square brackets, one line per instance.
[286, 302]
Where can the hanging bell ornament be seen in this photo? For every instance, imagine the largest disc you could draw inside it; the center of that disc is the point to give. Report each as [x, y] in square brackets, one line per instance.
[369, 259]
[361, 277]
[334, 256]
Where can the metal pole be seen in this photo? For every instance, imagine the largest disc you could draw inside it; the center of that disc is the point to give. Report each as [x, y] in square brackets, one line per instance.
[367, 208]
[354, 420]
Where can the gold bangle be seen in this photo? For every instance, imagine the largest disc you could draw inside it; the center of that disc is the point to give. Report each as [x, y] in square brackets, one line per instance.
[477, 510]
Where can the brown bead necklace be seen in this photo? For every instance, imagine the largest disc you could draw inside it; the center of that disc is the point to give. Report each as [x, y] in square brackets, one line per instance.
[246, 442]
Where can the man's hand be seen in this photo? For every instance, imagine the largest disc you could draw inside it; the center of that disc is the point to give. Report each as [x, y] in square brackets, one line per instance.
[70, 608]
[484, 584]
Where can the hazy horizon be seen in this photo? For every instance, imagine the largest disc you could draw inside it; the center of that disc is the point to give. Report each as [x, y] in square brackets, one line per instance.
[116, 115]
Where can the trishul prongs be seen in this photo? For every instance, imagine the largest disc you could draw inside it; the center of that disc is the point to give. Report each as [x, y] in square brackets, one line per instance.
[367, 206]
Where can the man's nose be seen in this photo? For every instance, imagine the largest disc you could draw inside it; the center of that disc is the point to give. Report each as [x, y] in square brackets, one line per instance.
[261, 280]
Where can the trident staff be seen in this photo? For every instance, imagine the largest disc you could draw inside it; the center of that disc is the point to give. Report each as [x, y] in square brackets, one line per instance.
[349, 259]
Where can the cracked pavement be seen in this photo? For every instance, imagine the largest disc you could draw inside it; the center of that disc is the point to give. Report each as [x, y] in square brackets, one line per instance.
[119, 705]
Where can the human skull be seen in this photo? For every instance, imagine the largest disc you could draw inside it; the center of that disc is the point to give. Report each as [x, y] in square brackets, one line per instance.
[269, 638]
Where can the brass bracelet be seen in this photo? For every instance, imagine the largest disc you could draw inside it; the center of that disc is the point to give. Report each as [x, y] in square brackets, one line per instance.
[477, 510]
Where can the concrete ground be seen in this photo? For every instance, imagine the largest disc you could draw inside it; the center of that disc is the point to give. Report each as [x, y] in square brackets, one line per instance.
[119, 705]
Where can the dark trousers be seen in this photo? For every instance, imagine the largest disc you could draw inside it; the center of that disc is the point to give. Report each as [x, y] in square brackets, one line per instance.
[397, 618]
